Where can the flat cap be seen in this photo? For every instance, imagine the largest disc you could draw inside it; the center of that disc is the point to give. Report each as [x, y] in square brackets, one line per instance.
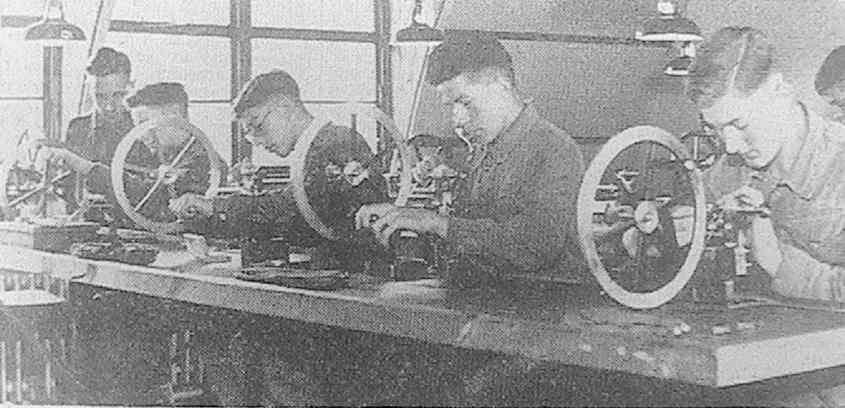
[161, 93]
[832, 70]
[109, 61]
[465, 51]
[264, 86]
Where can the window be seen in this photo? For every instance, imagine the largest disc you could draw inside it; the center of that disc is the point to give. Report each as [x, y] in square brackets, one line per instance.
[199, 63]
[346, 15]
[324, 70]
[17, 116]
[329, 74]
[174, 12]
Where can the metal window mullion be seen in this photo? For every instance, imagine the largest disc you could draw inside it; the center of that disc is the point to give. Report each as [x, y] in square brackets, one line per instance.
[311, 35]
[240, 21]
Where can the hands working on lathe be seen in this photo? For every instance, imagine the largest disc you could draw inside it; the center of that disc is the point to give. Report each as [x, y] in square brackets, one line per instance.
[765, 246]
[46, 153]
[190, 205]
[385, 219]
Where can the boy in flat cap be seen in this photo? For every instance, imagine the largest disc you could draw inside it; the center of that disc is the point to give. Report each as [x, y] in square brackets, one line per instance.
[273, 116]
[830, 81]
[517, 212]
[293, 371]
[92, 139]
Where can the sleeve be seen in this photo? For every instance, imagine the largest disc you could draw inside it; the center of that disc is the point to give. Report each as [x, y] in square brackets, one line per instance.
[536, 236]
[821, 233]
[802, 276]
[77, 131]
[241, 215]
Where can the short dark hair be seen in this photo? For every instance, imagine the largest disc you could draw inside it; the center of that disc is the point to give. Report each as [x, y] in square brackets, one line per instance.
[265, 86]
[744, 49]
[832, 70]
[158, 94]
[466, 51]
[109, 61]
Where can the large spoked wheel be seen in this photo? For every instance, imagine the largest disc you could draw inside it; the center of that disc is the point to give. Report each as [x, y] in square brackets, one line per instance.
[157, 161]
[362, 113]
[641, 217]
[29, 190]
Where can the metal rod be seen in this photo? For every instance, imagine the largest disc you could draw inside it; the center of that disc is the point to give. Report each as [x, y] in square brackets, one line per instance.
[48, 378]
[4, 393]
[52, 92]
[188, 366]
[174, 368]
[161, 176]
[18, 373]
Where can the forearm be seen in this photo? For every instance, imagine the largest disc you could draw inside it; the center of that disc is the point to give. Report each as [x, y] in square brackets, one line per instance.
[802, 276]
[821, 233]
[237, 215]
[522, 241]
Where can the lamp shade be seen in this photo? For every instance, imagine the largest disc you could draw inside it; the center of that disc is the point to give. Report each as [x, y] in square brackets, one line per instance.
[674, 29]
[668, 25]
[53, 29]
[417, 32]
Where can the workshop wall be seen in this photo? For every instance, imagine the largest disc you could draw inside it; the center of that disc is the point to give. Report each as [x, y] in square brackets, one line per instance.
[596, 90]
[804, 31]
[592, 90]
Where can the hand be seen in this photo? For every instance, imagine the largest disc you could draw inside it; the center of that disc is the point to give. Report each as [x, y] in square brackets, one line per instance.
[370, 212]
[191, 205]
[414, 219]
[744, 198]
[77, 163]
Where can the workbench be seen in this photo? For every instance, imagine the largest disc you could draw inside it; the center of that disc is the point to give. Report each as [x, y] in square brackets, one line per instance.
[544, 321]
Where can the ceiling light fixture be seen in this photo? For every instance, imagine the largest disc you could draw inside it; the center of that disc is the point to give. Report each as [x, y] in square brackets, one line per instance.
[53, 29]
[418, 32]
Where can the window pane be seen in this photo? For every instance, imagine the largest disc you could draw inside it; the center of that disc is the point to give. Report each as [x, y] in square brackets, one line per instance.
[346, 15]
[324, 70]
[199, 63]
[22, 8]
[17, 117]
[20, 66]
[176, 12]
[334, 112]
[215, 121]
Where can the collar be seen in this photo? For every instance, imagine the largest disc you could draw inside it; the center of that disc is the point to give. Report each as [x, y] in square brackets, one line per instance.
[507, 140]
[807, 174]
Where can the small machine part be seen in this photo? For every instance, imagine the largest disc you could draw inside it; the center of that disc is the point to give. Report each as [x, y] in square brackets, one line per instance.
[257, 251]
[116, 251]
[414, 256]
[433, 167]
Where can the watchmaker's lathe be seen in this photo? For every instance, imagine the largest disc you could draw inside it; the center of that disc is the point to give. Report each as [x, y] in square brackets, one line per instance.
[645, 228]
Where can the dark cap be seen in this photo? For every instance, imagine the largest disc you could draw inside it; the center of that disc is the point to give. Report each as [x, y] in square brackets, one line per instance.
[158, 94]
[832, 70]
[465, 51]
[109, 61]
[264, 86]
